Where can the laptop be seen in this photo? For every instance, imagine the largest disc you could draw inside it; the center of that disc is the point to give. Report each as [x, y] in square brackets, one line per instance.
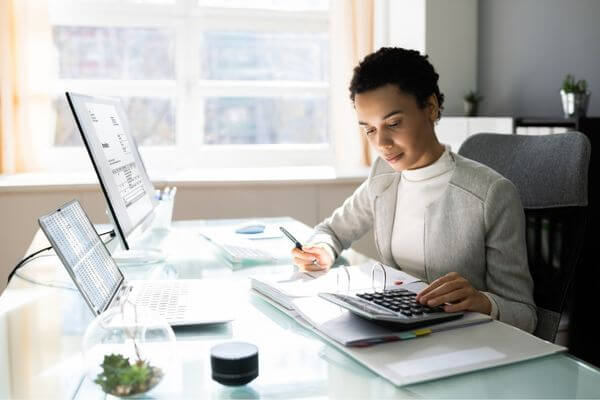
[102, 284]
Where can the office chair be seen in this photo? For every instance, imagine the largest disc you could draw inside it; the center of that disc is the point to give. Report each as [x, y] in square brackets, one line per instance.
[551, 176]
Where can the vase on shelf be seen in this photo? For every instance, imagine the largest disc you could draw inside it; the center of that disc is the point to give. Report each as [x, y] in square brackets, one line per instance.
[470, 108]
[574, 104]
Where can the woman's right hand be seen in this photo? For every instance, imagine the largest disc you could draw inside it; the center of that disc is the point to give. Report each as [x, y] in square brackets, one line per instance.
[312, 258]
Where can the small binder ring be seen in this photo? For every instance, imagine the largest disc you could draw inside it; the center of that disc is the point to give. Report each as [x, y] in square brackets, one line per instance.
[380, 265]
[337, 277]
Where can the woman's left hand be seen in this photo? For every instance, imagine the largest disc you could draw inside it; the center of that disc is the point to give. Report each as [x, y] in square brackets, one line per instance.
[453, 288]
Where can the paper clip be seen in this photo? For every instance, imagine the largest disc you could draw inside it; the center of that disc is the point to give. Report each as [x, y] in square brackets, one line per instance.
[380, 265]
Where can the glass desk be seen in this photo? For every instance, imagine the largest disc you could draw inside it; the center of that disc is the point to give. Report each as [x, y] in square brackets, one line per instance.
[41, 328]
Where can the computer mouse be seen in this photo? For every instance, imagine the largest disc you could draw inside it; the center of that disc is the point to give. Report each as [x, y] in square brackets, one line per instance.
[250, 228]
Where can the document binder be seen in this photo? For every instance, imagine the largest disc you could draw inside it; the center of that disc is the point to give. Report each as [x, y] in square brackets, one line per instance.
[445, 352]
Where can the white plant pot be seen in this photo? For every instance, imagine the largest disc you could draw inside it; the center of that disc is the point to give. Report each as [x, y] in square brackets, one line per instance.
[574, 104]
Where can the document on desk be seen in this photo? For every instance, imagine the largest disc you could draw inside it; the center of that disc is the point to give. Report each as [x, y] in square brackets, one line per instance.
[285, 288]
[485, 343]
[349, 329]
[451, 352]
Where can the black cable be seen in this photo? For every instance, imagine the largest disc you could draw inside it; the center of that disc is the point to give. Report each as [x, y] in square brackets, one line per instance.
[30, 257]
[43, 283]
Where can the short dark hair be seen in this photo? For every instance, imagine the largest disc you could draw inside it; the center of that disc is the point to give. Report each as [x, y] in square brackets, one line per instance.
[410, 71]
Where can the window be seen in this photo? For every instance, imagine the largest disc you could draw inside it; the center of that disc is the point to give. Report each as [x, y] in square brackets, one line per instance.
[219, 83]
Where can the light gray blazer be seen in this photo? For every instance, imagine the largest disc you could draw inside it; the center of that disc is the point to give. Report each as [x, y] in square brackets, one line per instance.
[476, 228]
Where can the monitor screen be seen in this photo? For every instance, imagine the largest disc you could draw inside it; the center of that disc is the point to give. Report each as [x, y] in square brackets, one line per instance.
[83, 254]
[105, 130]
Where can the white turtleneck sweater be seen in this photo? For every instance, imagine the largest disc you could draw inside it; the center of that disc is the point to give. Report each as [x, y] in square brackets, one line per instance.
[417, 189]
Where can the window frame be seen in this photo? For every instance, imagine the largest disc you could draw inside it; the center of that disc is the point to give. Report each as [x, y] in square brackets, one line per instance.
[187, 90]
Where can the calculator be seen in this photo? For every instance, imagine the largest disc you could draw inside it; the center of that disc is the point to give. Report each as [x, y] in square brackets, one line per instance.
[396, 308]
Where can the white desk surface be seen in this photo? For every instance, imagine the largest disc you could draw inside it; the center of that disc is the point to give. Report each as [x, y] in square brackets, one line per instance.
[41, 329]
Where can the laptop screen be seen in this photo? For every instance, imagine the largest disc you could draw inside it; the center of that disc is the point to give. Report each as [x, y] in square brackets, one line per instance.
[83, 254]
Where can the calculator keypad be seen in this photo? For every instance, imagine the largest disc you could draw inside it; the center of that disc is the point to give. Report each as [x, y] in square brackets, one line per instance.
[399, 301]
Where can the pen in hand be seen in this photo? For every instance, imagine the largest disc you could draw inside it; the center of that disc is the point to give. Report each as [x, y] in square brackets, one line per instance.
[292, 238]
[297, 244]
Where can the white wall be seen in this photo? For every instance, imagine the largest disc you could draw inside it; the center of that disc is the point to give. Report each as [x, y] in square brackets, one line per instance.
[446, 31]
[527, 46]
[451, 43]
[513, 52]
[406, 24]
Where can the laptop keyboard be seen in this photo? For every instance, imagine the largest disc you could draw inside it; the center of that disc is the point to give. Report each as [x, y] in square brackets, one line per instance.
[167, 298]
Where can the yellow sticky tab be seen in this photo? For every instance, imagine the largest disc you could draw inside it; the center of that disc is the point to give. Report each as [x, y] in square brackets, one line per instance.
[422, 332]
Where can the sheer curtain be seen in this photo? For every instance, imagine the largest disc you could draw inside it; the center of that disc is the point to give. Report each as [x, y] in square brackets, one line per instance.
[27, 72]
[351, 38]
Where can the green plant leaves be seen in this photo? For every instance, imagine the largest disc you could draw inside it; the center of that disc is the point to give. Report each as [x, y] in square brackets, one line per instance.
[569, 85]
[121, 378]
[472, 97]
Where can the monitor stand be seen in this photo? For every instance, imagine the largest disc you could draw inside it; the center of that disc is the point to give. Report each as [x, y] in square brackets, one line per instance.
[143, 251]
[138, 256]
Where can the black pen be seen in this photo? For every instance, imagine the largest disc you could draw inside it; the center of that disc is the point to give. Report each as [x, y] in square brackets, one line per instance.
[297, 244]
[292, 238]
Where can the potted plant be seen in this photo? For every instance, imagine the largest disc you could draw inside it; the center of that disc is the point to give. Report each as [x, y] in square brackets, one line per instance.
[574, 96]
[471, 101]
[128, 350]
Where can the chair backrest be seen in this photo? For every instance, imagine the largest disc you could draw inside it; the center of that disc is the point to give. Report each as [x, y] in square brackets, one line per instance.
[551, 176]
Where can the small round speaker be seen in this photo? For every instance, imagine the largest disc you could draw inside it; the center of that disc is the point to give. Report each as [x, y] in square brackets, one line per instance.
[234, 363]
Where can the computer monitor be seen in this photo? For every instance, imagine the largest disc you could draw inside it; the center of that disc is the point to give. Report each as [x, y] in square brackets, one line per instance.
[107, 136]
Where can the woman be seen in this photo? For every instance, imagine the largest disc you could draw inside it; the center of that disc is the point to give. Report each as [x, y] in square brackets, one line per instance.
[444, 218]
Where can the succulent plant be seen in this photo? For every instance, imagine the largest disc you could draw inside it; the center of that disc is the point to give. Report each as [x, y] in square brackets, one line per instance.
[122, 378]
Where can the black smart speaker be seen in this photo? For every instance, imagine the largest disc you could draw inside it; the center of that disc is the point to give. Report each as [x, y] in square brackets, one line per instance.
[234, 363]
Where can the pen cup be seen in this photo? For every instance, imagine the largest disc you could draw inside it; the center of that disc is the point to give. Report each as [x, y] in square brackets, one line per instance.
[164, 213]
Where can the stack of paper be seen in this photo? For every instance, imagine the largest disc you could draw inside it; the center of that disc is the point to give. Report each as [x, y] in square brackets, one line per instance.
[351, 330]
